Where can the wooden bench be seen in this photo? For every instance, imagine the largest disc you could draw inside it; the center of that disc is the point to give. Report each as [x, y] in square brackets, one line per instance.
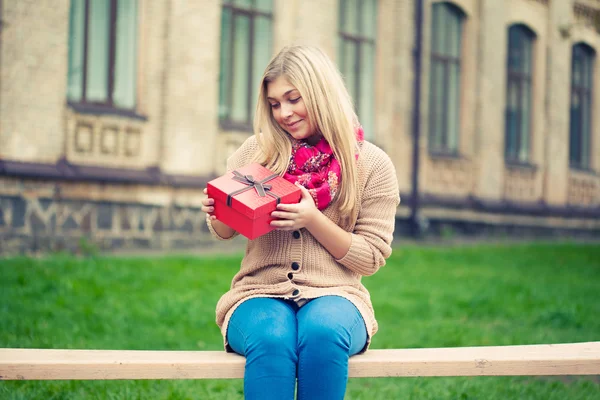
[547, 359]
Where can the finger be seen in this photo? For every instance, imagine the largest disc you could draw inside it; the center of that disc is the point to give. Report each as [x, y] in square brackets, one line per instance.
[283, 224]
[306, 194]
[205, 191]
[287, 228]
[283, 215]
[287, 207]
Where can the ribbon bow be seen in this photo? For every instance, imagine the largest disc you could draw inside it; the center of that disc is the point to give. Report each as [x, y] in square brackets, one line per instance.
[262, 189]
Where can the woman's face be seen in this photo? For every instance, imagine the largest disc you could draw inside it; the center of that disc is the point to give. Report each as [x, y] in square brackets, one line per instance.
[289, 110]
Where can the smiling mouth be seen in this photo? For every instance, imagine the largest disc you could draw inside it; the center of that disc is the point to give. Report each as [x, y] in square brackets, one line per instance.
[294, 123]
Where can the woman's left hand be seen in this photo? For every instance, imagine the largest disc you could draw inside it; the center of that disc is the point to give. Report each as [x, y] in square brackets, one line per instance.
[296, 216]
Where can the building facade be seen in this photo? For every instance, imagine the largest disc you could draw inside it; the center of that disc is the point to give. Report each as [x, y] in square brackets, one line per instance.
[115, 113]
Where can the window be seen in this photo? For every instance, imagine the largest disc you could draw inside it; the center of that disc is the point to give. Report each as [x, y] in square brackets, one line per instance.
[582, 76]
[518, 94]
[358, 25]
[102, 54]
[444, 78]
[246, 48]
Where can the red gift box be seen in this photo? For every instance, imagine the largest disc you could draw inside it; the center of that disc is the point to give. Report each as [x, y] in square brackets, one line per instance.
[246, 197]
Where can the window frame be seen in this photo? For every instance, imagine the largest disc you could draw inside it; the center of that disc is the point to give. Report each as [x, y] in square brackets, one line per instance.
[252, 11]
[583, 89]
[107, 107]
[446, 61]
[359, 40]
[522, 79]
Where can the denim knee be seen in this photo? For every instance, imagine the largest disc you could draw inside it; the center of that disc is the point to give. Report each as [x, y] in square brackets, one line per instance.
[263, 327]
[333, 323]
[324, 334]
[273, 341]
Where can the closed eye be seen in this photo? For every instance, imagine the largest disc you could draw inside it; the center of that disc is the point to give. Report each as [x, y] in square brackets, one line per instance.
[294, 101]
[274, 105]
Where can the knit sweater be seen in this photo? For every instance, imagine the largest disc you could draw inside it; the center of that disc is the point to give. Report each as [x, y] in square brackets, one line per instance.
[270, 259]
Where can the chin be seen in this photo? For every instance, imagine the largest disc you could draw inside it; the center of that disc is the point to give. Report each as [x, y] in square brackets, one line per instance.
[302, 135]
[299, 136]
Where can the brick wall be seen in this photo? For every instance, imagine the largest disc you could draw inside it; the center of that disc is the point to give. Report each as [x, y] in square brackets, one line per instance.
[33, 75]
[178, 131]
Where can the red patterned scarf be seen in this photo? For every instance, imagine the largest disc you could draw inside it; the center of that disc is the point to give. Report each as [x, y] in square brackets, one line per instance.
[316, 168]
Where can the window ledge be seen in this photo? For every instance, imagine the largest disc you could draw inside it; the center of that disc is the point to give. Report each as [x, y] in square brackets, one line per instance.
[235, 126]
[448, 155]
[583, 170]
[64, 170]
[95, 109]
[513, 164]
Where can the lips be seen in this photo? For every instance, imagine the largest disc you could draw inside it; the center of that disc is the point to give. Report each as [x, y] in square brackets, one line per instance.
[294, 125]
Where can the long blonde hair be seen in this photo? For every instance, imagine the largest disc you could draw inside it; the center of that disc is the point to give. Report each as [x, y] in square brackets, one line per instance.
[329, 108]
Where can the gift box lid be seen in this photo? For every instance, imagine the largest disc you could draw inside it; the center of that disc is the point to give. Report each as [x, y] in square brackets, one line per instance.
[253, 190]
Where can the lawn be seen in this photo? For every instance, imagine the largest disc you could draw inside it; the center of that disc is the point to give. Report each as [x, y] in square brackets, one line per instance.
[424, 297]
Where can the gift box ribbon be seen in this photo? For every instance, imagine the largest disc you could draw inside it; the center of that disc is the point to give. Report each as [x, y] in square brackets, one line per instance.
[262, 189]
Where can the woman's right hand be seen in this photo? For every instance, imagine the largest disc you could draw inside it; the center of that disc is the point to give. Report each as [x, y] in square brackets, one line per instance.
[208, 205]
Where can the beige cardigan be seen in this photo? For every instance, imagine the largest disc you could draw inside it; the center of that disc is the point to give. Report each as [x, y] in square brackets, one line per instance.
[270, 258]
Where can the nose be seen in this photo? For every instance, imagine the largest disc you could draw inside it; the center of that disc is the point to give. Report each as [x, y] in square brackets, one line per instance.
[286, 111]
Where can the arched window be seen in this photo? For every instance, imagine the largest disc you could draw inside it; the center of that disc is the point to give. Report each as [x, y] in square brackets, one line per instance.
[519, 68]
[582, 76]
[444, 78]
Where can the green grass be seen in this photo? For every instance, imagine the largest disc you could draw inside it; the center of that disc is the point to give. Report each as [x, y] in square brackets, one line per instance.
[424, 297]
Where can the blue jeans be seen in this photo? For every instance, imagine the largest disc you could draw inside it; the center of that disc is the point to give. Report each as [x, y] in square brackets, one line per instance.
[282, 341]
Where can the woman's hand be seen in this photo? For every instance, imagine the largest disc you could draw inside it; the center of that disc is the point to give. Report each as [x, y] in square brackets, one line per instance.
[296, 216]
[224, 231]
[207, 205]
[306, 215]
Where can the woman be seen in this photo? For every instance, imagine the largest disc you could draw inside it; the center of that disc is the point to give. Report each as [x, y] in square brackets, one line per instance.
[297, 308]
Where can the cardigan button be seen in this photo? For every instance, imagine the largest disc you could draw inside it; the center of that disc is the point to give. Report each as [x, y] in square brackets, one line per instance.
[295, 292]
[290, 276]
[296, 235]
[295, 266]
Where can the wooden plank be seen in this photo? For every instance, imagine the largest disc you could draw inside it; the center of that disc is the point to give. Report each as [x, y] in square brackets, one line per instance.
[549, 359]
[34, 364]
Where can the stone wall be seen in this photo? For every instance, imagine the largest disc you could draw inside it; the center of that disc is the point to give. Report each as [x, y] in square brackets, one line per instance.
[53, 216]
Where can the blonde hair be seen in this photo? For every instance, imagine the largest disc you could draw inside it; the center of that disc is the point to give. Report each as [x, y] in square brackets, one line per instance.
[329, 108]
